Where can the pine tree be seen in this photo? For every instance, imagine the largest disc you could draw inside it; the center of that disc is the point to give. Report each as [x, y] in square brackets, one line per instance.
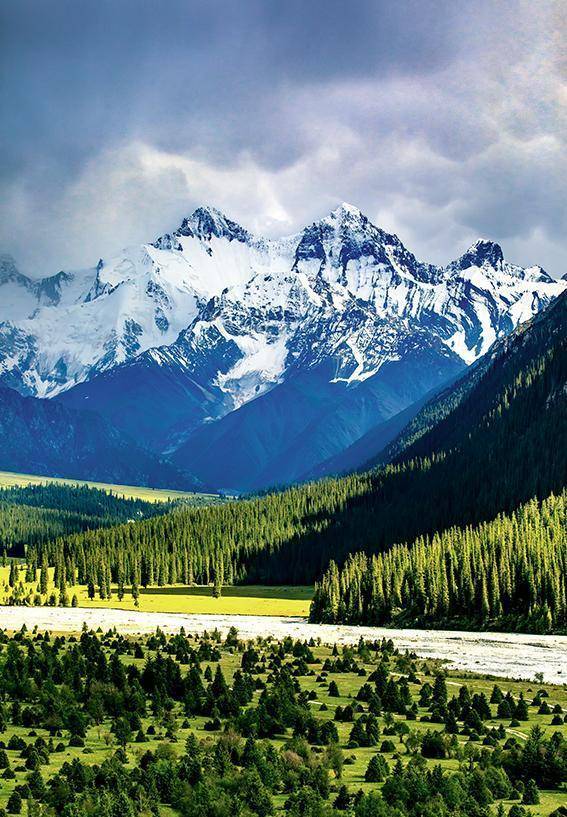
[43, 578]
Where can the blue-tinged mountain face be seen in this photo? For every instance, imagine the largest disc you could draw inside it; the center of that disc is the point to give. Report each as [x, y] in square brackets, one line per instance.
[310, 246]
[43, 437]
[211, 341]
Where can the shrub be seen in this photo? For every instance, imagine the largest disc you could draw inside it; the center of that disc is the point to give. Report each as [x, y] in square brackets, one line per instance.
[433, 745]
[14, 804]
[334, 690]
[377, 769]
[531, 794]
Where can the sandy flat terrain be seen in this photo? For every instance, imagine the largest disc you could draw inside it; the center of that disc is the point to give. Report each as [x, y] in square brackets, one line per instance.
[506, 654]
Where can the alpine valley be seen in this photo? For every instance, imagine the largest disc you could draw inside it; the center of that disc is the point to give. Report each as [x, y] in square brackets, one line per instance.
[250, 362]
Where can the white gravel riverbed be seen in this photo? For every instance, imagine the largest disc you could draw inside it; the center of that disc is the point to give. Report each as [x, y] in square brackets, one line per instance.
[513, 655]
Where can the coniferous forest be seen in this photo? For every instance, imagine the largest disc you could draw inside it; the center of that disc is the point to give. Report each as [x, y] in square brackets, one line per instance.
[31, 514]
[511, 572]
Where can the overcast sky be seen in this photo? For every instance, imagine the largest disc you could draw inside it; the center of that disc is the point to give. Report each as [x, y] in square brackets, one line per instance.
[442, 121]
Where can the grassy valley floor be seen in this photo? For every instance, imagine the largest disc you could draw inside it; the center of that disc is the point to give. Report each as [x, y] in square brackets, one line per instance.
[338, 686]
[253, 600]
[8, 479]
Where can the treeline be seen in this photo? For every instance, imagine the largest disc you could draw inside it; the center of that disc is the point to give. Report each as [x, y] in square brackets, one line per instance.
[214, 544]
[510, 570]
[81, 499]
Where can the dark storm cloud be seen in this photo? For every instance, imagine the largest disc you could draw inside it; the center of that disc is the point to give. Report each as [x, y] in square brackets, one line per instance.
[85, 73]
[118, 115]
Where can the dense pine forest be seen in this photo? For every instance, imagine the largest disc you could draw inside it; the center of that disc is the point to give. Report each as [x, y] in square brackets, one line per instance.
[486, 447]
[511, 573]
[32, 514]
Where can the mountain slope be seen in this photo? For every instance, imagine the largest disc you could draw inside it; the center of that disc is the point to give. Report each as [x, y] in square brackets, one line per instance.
[356, 455]
[469, 401]
[493, 440]
[276, 438]
[498, 444]
[245, 317]
[42, 437]
[513, 447]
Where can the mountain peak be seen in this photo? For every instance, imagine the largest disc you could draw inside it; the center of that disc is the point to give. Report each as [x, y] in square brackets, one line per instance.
[350, 219]
[347, 216]
[206, 222]
[347, 210]
[10, 272]
[206, 213]
[482, 252]
[484, 244]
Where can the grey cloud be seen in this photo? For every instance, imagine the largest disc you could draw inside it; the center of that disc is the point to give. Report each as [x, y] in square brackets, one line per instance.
[421, 112]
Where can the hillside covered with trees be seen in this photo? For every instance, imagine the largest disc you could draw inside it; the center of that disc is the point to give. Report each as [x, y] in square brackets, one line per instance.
[511, 573]
[31, 514]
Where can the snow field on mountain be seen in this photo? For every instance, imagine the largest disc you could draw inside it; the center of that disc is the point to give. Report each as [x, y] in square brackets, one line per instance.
[341, 290]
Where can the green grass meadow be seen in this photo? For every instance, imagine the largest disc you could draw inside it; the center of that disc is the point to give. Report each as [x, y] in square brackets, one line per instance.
[100, 742]
[249, 600]
[10, 480]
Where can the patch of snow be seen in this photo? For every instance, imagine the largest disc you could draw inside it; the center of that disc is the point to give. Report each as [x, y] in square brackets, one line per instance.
[260, 368]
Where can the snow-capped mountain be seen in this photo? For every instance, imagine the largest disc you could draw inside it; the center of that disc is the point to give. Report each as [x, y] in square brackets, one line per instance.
[210, 326]
[64, 329]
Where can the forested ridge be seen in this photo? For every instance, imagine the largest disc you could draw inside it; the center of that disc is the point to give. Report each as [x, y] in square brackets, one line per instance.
[202, 545]
[32, 514]
[511, 572]
[82, 499]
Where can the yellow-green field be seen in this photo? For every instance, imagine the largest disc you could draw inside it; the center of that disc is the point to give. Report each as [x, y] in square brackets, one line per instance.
[250, 600]
[9, 480]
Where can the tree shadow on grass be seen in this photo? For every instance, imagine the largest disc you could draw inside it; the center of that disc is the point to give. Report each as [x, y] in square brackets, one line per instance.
[298, 593]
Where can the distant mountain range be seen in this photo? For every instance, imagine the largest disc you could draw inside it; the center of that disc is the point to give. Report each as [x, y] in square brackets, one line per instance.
[45, 438]
[251, 362]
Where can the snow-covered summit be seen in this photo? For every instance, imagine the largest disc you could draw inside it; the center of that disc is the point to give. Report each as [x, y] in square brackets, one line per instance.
[340, 289]
[482, 252]
[488, 255]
